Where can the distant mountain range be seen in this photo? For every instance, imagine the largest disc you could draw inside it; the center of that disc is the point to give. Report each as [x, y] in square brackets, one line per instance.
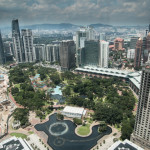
[51, 26]
[100, 25]
[61, 26]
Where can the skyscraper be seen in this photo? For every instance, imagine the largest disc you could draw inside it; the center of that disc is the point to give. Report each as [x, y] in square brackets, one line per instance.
[131, 53]
[27, 39]
[82, 35]
[2, 55]
[133, 42]
[67, 54]
[138, 53]
[102, 36]
[146, 48]
[8, 48]
[39, 52]
[141, 134]
[144, 55]
[17, 42]
[148, 42]
[103, 54]
[52, 52]
[90, 54]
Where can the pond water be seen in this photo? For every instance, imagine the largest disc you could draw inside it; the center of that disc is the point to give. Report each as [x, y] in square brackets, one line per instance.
[61, 135]
[57, 94]
[57, 90]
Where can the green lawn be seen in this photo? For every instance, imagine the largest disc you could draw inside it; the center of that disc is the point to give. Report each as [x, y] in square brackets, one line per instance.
[18, 135]
[84, 130]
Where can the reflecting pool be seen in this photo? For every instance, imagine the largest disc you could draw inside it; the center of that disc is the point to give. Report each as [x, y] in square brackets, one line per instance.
[61, 135]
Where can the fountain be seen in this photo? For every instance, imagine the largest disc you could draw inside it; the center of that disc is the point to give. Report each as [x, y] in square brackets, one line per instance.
[58, 128]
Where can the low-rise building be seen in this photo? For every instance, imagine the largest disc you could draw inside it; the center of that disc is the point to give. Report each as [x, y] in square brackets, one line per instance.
[74, 112]
[133, 78]
[14, 143]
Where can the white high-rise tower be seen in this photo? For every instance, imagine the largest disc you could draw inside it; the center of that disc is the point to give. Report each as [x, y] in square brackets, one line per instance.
[141, 134]
[103, 54]
[27, 39]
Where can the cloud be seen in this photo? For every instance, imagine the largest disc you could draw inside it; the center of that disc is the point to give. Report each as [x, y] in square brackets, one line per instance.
[75, 11]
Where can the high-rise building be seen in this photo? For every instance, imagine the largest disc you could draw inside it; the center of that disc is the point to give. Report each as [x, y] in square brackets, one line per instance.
[133, 42]
[131, 53]
[102, 36]
[39, 52]
[67, 54]
[103, 54]
[146, 47]
[90, 53]
[8, 49]
[148, 42]
[52, 52]
[144, 55]
[95, 53]
[17, 42]
[27, 39]
[2, 55]
[138, 53]
[82, 35]
[118, 44]
[141, 134]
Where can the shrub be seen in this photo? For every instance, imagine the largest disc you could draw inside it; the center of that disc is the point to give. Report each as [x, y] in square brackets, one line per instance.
[102, 127]
[60, 116]
[77, 121]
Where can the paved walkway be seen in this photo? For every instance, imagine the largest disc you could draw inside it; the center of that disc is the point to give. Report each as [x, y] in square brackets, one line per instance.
[13, 100]
[35, 141]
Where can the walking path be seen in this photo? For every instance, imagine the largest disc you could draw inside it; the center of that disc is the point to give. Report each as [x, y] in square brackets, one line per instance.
[13, 100]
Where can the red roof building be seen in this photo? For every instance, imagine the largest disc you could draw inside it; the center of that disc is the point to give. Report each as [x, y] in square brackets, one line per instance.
[118, 44]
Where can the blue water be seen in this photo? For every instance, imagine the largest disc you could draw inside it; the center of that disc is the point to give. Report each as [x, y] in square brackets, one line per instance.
[69, 140]
[57, 90]
[57, 94]
[37, 76]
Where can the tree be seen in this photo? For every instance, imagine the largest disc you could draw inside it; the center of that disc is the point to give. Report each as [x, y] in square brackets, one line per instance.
[21, 114]
[77, 121]
[102, 127]
[127, 128]
[14, 90]
[60, 116]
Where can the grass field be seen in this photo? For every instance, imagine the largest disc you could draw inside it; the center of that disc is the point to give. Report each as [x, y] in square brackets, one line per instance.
[84, 130]
[18, 135]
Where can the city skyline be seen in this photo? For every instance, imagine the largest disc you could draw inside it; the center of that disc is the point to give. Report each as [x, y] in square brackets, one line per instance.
[116, 12]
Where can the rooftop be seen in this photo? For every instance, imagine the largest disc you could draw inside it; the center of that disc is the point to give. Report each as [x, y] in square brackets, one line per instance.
[14, 143]
[75, 110]
[119, 39]
[125, 145]
[134, 77]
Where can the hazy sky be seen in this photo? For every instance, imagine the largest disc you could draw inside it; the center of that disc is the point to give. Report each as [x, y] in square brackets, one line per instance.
[121, 12]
